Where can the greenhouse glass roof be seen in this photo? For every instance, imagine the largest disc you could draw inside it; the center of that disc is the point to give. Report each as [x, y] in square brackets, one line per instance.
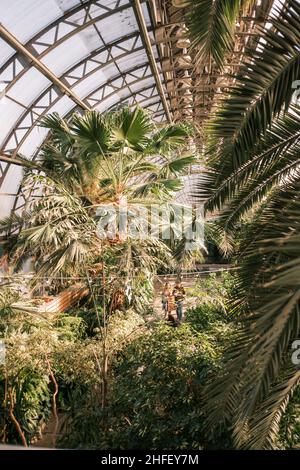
[95, 49]
[75, 55]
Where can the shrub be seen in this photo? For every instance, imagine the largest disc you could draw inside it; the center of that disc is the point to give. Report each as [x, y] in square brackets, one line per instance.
[206, 316]
[154, 400]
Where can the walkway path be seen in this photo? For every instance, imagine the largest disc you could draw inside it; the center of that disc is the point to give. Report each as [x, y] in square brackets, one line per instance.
[189, 279]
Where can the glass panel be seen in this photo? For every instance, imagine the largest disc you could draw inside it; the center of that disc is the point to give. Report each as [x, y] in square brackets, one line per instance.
[25, 18]
[96, 80]
[10, 185]
[30, 85]
[8, 113]
[5, 51]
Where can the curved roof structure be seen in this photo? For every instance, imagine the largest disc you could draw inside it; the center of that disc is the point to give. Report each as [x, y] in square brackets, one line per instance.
[89, 55]
[74, 55]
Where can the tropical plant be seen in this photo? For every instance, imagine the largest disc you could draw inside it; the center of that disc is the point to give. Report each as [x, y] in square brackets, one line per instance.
[289, 436]
[94, 168]
[212, 24]
[107, 158]
[154, 400]
[28, 385]
[51, 364]
[212, 297]
[253, 176]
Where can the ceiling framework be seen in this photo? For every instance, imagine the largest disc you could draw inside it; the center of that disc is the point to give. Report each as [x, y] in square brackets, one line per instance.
[68, 56]
[147, 42]
[195, 90]
[36, 62]
[98, 54]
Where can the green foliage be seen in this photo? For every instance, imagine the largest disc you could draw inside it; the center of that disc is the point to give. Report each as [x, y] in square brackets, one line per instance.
[86, 311]
[154, 400]
[216, 287]
[214, 291]
[205, 316]
[253, 176]
[289, 434]
[32, 342]
[157, 377]
[32, 405]
[158, 382]
[212, 26]
[212, 313]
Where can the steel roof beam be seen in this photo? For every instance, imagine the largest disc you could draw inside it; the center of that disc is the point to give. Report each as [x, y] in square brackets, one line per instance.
[18, 46]
[32, 45]
[17, 161]
[65, 77]
[146, 40]
[67, 14]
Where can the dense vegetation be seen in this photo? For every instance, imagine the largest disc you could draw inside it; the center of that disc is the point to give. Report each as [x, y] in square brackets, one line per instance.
[252, 180]
[156, 376]
[108, 373]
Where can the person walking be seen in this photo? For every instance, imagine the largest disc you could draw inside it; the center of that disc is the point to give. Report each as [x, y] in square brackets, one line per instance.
[179, 296]
[165, 299]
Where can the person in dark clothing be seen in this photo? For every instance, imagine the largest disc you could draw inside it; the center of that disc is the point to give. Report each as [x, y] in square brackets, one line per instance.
[179, 296]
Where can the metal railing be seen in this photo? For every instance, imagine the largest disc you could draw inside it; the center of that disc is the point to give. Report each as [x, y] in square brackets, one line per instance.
[195, 273]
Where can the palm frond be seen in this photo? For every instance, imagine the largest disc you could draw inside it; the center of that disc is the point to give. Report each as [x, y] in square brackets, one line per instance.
[268, 291]
[264, 88]
[92, 133]
[60, 131]
[169, 138]
[212, 24]
[280, 142]
[131, 128]
[161, 187]
[263, 428]
[177, 166]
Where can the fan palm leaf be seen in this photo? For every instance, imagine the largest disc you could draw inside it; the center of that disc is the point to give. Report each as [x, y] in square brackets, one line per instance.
[131, 129]
[93, 161]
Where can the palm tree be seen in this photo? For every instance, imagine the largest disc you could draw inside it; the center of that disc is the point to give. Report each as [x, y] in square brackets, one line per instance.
[108, 157]
[91, 166]
[253, 176]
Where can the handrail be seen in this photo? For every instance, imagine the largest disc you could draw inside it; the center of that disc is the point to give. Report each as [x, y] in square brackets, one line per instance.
[194, 273]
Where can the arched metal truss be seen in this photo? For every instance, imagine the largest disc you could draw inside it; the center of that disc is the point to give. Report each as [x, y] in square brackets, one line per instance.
[74, 55]
[92, 55]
